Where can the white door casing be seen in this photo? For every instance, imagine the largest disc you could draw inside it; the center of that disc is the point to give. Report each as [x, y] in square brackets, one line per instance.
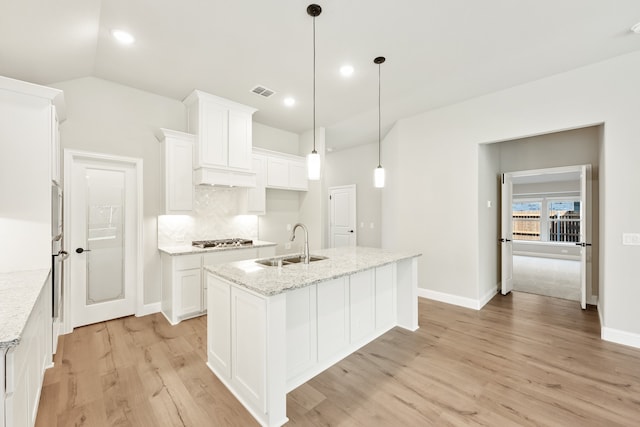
[103, 217]
[585, 225]
[342, 216]
[585, 230]
[506, 240]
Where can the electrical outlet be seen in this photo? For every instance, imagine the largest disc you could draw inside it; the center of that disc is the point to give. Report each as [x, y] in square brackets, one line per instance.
[288, 227]
[287, 245]
[362, 225]
[371, 225]
[631, 239]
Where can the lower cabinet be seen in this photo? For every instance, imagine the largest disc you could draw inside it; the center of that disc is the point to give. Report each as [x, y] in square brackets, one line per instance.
[24, 365]
[184, 287]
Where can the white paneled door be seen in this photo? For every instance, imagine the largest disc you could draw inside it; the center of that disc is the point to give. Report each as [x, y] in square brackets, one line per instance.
[103, 236]
[506, 239]
[342, 216]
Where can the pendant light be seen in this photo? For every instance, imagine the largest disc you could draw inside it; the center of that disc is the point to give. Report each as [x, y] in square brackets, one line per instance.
[378, 173]
[313, 159]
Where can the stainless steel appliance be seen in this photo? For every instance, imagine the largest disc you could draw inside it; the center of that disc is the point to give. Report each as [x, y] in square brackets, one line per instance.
[222, 243]
[58, 255]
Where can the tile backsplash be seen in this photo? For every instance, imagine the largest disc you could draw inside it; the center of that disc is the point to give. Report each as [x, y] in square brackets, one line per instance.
[215, 217]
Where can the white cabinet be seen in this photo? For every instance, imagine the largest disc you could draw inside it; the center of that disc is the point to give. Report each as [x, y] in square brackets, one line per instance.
[25, 365]
[27, 166]
[181, 287]
[177, 163]
[284, 171]
[223, 130]
[184, 285]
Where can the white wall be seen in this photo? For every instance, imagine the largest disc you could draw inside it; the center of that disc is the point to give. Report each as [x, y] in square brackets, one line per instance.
[489, 261]
[313, 204]
[439, 149]
[105, 117]
[355, 165]
[283, 206]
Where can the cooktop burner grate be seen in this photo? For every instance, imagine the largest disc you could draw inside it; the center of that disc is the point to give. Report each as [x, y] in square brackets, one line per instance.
[222, 243]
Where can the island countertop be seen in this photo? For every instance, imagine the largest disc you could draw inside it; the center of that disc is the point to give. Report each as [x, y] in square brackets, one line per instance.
[274, 280]
[19, 292]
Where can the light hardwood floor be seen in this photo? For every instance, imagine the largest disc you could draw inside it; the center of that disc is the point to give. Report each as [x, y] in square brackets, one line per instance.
[522, 360]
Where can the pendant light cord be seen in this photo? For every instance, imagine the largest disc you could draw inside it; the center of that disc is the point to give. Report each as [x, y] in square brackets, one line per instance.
[314, 85]
[379, 142]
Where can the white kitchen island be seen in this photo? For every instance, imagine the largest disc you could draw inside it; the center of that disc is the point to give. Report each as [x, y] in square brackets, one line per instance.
[272, 328]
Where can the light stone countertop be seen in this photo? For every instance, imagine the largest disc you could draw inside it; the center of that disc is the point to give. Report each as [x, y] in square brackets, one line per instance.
[274, 280]
[188, 249]
[19, 292]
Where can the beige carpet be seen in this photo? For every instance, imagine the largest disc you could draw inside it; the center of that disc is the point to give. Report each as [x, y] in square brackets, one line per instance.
[546, 276]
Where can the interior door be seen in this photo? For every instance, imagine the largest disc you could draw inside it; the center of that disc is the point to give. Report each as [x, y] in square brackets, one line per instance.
[585, 181]
[506, 233]
[103, 237]
[342, 216]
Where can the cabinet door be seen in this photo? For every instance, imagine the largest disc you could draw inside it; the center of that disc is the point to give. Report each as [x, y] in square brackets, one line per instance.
[333, 318]
[257, 197]
[189, 292]
[219, 325]
[248, 349]
[213, 134]
[240, 139]
[277, 172]
[362, 305]
[385, 298]
[178, 176]
[298, 175]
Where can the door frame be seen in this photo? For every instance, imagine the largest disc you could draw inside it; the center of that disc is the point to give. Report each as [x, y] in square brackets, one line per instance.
[70, 156]
[355, 213]
[586, 210]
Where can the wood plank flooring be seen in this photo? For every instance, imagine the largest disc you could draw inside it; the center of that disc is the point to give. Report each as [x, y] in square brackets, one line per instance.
[523, 360]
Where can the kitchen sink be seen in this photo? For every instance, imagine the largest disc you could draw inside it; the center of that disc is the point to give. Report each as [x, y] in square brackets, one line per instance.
[281, 262]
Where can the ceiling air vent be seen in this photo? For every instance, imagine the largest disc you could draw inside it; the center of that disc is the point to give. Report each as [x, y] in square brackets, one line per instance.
[263, 91]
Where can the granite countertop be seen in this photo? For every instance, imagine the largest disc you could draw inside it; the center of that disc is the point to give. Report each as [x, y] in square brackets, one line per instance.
[19, 292]
[274, 280]
[188, 249]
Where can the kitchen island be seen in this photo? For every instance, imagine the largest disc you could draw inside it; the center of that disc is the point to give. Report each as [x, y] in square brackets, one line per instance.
[272, 328]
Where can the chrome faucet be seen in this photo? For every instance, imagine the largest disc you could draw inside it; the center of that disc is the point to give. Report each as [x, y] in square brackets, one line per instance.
[306, 240]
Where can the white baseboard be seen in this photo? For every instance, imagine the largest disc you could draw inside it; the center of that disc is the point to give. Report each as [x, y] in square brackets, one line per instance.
[449, 299]
[148, 309]
[620, 337]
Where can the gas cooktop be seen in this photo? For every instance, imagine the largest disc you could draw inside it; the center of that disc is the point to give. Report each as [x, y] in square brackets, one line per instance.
[222, 243]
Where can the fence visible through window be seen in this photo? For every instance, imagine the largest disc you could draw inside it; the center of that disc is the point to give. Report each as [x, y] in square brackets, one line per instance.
[559, 219]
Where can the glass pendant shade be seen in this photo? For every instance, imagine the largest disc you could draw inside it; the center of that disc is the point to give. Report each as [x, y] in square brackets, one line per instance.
[313, 166]
[378, 177]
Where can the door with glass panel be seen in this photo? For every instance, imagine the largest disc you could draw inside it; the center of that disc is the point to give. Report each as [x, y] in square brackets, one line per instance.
[103, 237]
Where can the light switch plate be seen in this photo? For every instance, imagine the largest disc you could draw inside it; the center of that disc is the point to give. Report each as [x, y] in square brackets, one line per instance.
[631, 239]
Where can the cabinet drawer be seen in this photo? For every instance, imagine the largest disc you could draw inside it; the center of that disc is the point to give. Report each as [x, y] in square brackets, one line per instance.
[187, 262]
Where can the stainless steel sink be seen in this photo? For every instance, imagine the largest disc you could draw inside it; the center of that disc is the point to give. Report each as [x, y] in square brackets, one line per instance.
[295, 259]
[300, 258]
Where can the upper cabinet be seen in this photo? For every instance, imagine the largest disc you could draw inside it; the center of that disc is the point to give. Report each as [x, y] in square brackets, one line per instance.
[223, 146]
[178, 169]
[285, 171]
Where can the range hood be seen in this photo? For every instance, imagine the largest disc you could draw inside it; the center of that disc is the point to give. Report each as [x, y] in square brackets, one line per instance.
[225, 177]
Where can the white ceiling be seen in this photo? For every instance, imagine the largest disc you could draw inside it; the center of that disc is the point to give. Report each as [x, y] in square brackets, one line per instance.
[438, 52]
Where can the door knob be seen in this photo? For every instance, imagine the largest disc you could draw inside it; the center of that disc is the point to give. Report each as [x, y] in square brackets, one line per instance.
[80, 250]
[350, 231]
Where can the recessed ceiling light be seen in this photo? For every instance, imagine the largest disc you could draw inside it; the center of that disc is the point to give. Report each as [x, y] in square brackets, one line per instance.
[289, 102]
[123, 37]
[636, 28]
[346, 70]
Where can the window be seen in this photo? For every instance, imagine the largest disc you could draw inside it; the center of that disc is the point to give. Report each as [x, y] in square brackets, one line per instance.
[564, 221]
[546, 219]
[526, 220]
